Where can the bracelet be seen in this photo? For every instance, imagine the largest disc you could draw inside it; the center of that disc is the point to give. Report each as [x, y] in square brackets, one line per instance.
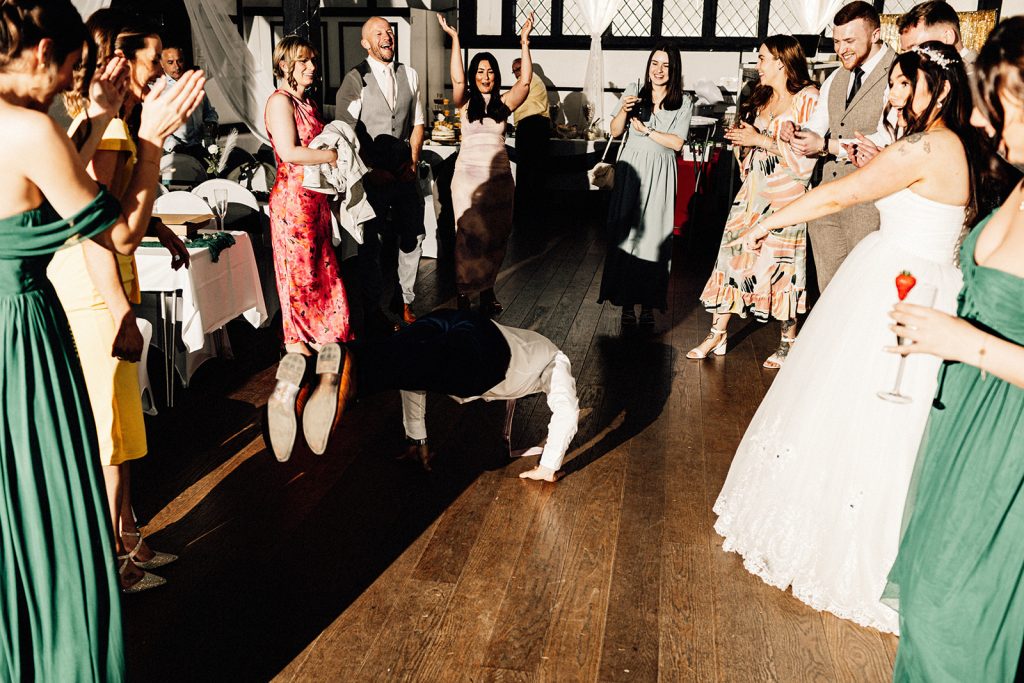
[981, 358]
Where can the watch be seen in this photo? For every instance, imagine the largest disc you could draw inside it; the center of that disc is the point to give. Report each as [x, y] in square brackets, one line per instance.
[826, 138]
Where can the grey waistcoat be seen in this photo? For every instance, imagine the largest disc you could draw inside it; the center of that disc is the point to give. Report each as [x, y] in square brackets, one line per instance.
[861, 116]
[383, 133]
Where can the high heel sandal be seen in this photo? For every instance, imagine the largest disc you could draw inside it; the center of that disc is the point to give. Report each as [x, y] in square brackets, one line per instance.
[722, 337]
[144, 584]
[158, 560]
[646, 317]
[628, 317]
[776, 360]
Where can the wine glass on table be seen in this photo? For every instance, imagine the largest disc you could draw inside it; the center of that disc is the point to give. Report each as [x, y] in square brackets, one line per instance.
[220, 207]
[921, 294]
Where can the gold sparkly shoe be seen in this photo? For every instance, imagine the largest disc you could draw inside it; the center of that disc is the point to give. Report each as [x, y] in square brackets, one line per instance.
[144, 584]
[158, 559]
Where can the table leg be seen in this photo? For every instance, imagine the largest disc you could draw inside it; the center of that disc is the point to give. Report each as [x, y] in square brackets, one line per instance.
[168, 341]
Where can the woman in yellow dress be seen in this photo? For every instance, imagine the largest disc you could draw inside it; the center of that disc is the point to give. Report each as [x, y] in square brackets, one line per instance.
[91, 305]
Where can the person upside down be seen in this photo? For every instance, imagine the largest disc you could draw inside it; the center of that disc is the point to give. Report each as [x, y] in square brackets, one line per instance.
[460, 353]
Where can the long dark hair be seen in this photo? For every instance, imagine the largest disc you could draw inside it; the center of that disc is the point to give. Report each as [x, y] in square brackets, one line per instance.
[478, 108]
[939, 64]
[999, 68]
[787, 50]
[25, 23]
[674, 94]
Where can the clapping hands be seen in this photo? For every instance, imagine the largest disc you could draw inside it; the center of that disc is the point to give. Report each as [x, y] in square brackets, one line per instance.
[108, 88]
[162, 115]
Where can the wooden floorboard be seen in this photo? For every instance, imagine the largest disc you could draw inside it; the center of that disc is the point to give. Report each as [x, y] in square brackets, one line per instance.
[353, 566]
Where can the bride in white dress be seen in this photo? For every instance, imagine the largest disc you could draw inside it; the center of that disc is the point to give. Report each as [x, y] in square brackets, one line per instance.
[815, 493]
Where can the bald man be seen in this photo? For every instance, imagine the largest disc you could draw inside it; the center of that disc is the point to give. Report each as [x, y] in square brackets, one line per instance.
[188, 138]
[380, 98]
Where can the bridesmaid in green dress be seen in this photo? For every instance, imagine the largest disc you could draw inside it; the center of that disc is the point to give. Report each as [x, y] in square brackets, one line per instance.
[957, 580]
[59, 612]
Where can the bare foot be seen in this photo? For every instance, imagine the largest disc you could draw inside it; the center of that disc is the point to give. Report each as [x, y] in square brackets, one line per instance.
[541, 473]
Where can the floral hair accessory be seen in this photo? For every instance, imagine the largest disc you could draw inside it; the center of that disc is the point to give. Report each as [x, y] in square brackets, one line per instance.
[935, 56]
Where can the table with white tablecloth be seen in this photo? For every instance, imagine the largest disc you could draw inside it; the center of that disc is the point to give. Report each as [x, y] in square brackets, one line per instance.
[202, 298]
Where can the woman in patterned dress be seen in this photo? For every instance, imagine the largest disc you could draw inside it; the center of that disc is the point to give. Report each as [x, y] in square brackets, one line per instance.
[769, 284]
[314, 308]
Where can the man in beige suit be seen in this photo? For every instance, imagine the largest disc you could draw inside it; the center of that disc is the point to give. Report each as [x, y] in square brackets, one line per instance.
[851, 102]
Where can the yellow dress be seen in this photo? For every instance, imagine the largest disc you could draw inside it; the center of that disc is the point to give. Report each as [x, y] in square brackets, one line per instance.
[113, 384]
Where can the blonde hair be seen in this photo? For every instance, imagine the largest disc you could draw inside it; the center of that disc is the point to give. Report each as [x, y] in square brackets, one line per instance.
[291, 49]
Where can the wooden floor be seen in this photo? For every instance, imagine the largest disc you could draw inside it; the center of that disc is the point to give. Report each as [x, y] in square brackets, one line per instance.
[354, 567]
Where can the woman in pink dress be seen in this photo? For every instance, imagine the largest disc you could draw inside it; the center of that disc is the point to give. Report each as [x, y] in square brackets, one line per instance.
[314, 308]
[482, 188]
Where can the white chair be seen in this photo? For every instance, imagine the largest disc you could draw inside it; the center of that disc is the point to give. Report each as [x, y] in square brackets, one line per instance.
[242, 204]
[180, 201]
[181, 169]
[236, 193]
[146, 389]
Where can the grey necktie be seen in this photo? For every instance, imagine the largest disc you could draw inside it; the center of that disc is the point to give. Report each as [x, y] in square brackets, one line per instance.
[858, 77]
[389, 86]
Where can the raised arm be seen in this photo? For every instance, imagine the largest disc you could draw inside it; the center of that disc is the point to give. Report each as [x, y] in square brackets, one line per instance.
[898, 166]
[106, 95]
[281, 126]
[458, 71]
[520, 90]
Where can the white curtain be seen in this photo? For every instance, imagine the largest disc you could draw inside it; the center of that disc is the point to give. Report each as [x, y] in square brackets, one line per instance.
[597, 16]
[87, 7]
[242, 77]
[816, 14]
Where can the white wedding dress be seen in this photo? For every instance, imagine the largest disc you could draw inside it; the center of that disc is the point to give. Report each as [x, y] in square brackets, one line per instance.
[815, 493]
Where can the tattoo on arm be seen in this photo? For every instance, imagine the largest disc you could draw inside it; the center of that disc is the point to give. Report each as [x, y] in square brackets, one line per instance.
[914, 139]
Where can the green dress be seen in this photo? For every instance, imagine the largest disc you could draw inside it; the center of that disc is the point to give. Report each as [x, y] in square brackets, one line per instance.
[59, 601]
[958, 575]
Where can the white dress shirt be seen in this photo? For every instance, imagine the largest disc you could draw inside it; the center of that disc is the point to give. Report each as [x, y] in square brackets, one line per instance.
[536, 365]
[350, 94]
[819, 121]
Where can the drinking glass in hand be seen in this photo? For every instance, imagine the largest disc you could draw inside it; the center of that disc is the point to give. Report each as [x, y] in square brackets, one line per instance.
[921, 295]
[220, 206]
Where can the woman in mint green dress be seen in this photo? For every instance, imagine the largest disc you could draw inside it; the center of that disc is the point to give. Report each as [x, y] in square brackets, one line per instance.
[59, 611]
[957, 580]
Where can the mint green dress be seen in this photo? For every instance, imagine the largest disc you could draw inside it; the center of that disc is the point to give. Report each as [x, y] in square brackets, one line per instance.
[957, 580]
[59, 601]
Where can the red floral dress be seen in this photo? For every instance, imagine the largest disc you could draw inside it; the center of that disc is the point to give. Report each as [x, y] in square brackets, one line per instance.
[314, 307]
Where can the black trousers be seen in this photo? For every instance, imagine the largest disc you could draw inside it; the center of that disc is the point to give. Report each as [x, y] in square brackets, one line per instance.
[533, 137]
[459, 353]
[398, 224]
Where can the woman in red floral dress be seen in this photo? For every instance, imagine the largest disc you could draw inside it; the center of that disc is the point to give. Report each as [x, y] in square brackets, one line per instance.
[314, 308]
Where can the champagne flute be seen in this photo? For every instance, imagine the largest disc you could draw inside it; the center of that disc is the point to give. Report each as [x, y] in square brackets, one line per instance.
[922, 294]
[220, 206]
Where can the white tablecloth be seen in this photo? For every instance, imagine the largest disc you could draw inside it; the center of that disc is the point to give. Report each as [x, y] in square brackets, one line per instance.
[211, 293]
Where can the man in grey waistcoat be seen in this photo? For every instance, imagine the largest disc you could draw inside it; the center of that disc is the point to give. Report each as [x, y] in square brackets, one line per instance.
[380, 98]
[850, 102]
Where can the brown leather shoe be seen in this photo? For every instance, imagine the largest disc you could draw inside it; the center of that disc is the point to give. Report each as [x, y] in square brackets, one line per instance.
[281, 409]
[408, 317]
[336, 387]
